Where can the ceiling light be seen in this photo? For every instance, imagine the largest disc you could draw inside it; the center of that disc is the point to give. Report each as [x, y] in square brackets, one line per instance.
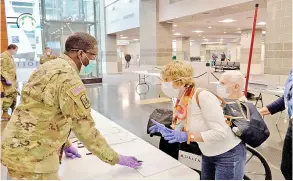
[177, 34]
[225, 32]
[210, 27]
[124, 37]
[197, 31]
[121, 35]
[175, 25]
[191, 40]
[227, 21]
[221, 39]
[135, 39]
[263, 32]
[205, 39]
[262, 23]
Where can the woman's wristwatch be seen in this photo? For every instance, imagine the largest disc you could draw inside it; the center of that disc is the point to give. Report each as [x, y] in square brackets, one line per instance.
[190, 138]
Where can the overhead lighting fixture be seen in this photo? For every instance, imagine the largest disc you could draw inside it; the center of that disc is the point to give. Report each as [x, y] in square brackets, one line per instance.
[175, 25]
[225, 32]
[197, 31]
[209, 27]
[177, 34]
[227, 21]
[135, 39]
[262, 23]
[263, 32]
[206, 39]
[124, 37]
[121, 35]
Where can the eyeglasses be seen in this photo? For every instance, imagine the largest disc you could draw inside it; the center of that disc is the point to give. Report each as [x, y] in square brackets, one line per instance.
[93, 54]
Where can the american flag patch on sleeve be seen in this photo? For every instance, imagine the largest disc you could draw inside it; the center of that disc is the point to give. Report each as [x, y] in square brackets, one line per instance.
[77, 90]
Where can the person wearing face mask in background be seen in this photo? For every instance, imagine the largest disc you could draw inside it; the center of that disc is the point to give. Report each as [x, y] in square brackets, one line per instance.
[8, 76]
[284, 102]
[53, 103]
[47, 56]
[224, 154]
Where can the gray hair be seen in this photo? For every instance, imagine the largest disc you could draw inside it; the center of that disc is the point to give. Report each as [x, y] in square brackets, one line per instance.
[235, 77]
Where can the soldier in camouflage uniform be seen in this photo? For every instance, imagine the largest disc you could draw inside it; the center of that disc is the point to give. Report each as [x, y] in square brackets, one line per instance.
[8, 73]
[47, 56]
[53, 102]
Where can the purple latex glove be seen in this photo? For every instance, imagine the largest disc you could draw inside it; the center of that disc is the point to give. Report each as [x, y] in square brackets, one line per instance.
[71, 152]
[176, 136]
[8, 83]
[158, 127]
[129, 161]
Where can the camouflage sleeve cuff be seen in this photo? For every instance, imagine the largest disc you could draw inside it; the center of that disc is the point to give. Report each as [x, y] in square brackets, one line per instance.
[67, 144]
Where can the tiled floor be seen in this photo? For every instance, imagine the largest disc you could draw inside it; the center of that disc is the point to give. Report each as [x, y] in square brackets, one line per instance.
[118, 99]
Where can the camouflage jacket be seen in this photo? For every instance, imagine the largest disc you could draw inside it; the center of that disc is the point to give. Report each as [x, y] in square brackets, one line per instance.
[52, 102]
[8, 71]
[46, 58]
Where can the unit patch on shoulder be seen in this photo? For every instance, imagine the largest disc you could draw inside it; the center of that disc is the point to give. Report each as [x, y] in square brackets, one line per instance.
[77, 90]
[85, 101]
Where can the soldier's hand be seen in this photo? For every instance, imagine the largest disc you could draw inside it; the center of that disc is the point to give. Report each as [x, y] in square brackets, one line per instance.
[8, 83]
[71, 152]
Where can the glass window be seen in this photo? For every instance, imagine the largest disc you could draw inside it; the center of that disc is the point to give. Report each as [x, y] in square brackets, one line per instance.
[27, 40]
[62, 18]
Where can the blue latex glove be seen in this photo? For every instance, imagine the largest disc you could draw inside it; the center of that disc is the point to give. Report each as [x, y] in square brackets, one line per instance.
[159, 128]
[176, 136]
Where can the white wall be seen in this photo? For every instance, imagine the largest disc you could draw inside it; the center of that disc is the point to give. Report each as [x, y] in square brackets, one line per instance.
[189, 7]
[121, 15]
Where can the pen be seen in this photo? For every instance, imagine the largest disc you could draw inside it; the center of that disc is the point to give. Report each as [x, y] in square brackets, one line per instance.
[139, 161]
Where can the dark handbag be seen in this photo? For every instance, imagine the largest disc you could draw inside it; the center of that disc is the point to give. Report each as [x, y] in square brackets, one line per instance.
[251, 128]
[163, 116]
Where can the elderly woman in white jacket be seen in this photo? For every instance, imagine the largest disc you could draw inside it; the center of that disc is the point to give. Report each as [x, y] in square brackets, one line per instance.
[224, 154]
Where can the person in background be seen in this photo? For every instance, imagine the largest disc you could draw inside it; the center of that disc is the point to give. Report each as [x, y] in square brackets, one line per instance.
[223, 56]
[214, 57]
[54, 103]
[47, 56]
[8, 75]
[127, 59]
[224, 154]
[280, 105]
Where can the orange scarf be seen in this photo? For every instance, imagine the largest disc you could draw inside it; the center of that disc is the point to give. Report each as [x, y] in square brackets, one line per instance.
[181, 108]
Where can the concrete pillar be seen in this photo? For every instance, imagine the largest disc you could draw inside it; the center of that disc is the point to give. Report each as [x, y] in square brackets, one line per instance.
[108, 47]
[112, 63]
[183, 48]
[155, 37]
[195, 49]
[203, 53]
[232, 52]
[256, 67]
[278, 42]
